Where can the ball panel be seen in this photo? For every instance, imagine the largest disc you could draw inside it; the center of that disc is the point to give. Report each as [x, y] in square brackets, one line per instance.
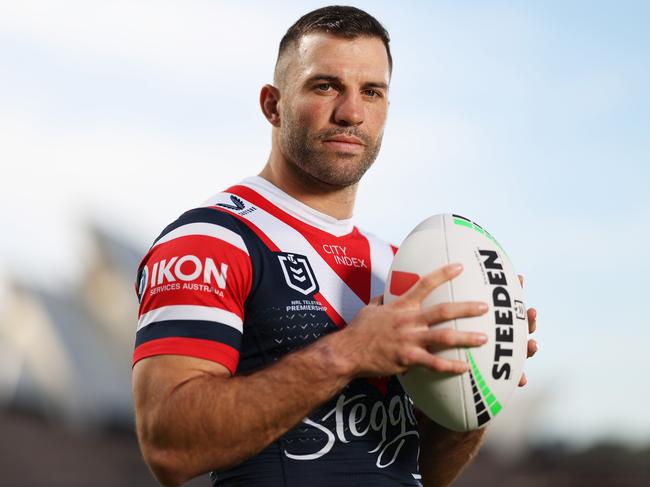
[497, 366]
[471, 400]
[436, 395]
[400, 282]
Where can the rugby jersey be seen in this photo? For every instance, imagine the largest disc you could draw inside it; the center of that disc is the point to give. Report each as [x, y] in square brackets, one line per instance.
[252, 275]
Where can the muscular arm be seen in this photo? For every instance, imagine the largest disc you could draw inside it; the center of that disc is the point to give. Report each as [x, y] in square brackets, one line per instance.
[193, 417]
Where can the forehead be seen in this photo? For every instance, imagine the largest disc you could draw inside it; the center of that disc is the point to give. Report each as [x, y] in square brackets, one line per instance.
[361, 58]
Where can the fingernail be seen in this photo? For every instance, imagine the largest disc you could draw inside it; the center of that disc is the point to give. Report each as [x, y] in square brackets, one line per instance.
[482, 307]
[456, 267]
[480, 338]
[536, 347]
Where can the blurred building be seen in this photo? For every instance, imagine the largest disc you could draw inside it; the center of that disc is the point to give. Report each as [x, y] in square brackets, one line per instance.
[66, 353]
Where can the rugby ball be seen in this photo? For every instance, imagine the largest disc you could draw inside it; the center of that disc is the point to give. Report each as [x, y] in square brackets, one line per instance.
[471, 400]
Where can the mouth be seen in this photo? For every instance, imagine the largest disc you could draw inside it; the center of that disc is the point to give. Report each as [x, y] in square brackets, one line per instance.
[344, 143]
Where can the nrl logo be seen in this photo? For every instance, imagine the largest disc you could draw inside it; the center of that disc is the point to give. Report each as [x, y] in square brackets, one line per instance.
[298, 273]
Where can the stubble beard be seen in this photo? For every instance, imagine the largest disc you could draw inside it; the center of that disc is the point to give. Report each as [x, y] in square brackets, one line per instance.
[338, 169]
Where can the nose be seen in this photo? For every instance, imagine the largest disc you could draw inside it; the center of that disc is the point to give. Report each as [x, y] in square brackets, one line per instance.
[350, 110]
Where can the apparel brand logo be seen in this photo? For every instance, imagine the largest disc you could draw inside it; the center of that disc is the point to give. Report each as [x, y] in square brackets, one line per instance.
[237, 205]
[298, 273]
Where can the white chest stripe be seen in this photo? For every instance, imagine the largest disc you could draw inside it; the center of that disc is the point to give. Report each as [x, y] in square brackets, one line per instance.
[344, 301]
[381, 257]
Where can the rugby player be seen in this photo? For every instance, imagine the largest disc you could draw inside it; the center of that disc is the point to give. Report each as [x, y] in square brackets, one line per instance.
[260, 356]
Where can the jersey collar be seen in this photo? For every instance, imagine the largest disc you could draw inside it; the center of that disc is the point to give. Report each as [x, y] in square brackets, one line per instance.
[298, 209]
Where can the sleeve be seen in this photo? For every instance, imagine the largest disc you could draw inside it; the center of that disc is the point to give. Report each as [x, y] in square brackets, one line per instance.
[192, 286]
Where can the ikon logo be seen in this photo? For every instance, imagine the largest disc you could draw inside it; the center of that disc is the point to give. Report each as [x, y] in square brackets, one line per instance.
[298, 273]
[185, 268]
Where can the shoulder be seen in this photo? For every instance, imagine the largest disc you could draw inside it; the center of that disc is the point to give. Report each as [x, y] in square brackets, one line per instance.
[200, 237]
[208, 221]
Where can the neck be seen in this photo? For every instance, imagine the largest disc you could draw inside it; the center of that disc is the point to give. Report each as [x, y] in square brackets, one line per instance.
[335, 202]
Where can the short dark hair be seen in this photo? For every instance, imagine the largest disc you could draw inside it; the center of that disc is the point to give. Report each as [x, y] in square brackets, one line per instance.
[339, 21]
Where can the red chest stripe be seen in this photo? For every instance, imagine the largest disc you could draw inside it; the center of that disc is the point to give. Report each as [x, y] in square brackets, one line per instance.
[348, 256]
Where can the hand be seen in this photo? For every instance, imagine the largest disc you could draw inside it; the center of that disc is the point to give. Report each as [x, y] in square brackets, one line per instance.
[533, 347]
[389, 339]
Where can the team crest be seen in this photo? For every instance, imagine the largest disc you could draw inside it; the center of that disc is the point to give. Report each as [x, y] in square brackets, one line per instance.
[298, 273]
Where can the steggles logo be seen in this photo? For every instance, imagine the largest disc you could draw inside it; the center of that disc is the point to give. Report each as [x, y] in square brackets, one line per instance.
[298, 273]
[393, 423]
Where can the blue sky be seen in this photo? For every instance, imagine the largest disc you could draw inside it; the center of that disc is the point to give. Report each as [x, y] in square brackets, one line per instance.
[532, 118]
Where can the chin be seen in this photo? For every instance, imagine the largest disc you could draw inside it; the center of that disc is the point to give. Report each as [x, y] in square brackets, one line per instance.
[339, 178]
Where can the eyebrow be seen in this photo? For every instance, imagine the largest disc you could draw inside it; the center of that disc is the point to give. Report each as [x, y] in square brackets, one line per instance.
[337, 80]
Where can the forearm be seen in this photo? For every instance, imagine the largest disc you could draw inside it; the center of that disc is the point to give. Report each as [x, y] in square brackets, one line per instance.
[444, 453]
[211, 422]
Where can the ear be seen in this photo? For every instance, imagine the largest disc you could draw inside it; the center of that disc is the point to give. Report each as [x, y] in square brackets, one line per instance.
[269, 98]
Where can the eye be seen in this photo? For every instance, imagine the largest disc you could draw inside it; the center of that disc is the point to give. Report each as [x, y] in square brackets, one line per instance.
[372, 93]
[324, 87]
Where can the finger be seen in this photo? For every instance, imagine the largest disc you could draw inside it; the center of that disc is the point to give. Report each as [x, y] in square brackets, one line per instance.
[449, 311]
[427, 283]
[439, 364]
[437, 339]
[533, 347]
[521, 279]
[523, 381]
[532, 320]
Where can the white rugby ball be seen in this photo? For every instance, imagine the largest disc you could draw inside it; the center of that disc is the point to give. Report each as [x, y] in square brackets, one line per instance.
[467, 401]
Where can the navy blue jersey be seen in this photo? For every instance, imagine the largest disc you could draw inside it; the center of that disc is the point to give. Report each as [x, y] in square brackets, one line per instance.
[253, 275]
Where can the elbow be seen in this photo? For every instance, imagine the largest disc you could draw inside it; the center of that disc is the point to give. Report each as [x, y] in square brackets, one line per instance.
[165, 465]
[173, 468]
[172, 464]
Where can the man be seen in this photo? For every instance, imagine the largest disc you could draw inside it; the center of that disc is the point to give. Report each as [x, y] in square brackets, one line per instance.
[259, 355]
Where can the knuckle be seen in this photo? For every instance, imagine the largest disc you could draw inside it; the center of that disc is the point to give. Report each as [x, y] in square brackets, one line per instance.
[412, 357]
[445, 311]
[405, 358]
[448, 271]
[427, 281]
[440, 365]
[447, 337]
[434, 363]
[403, 319]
